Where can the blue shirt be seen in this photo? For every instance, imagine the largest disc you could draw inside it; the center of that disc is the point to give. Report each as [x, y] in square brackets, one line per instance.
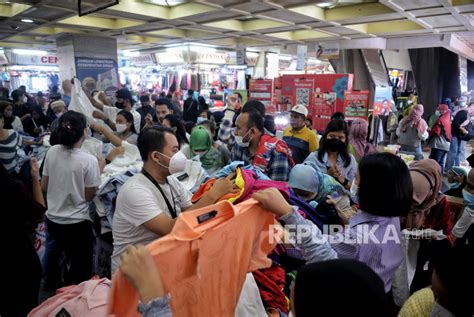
[348, 172]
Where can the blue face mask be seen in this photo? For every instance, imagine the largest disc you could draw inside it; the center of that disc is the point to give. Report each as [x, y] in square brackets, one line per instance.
[468, 198]
[201, 120]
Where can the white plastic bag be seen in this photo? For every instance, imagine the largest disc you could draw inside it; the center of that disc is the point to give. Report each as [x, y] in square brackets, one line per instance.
[93, 146]
[79, 101]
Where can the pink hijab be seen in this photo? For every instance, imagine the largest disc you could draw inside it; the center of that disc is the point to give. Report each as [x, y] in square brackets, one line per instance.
[358, 138]
[414, 119]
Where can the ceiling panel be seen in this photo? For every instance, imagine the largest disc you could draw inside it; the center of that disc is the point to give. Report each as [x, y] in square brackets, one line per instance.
[337, 30]
[442, 21]
[416, 4]
[253, 7]
[213, 16]
[288, 16]
[429, 12]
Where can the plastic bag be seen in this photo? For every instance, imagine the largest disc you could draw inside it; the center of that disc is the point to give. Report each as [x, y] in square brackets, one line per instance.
[79, 101]
[93, 146]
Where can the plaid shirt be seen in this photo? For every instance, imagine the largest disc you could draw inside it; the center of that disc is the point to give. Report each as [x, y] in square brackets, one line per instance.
[225, 133]
[278, 168]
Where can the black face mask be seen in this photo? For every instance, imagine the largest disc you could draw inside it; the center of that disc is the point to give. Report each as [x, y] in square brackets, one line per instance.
[119, 105]
[334, 145]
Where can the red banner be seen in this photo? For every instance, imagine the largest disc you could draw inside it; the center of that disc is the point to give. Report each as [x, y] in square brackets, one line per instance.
[356, 104]
[262, 90]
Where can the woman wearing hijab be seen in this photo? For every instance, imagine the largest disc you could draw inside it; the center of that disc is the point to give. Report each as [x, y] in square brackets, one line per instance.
[440, 135]
[358, 145]
[456, 181]
[412, 130]
[313, 186]
[200, 144]
[461, 131]
[11, 122]
[429, 209]
[38, 122]
[333, 156]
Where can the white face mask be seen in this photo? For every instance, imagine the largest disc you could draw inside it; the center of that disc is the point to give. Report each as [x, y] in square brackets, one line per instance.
[240, 140]
[25, 99]
[120, 127]
[355, 192]
[177, 162]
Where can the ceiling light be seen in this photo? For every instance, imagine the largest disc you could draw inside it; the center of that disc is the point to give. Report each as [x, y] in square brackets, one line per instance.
[202, 49]
[252, 54]
[179, 48]
[324, 4]
[168, 3]
[29, 52]
[27, 21]
[131, 53]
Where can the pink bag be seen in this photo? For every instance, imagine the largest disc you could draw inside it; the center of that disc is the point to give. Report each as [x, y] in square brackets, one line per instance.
[86, 299]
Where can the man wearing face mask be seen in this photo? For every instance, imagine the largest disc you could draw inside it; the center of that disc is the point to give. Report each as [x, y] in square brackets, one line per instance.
[234, 104]
[463, 227]
[456, 181]
[124, 101]
[149, 202]
[146, 110]
[253, 146]
[299, 138]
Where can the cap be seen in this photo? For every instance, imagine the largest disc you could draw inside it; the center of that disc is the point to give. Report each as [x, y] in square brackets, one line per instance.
[300, 109]
[57, 103]
[125, 94]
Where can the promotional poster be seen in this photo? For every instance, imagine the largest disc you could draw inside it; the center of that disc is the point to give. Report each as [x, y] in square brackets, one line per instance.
[262, 90]
[97, 73]
[356, 104]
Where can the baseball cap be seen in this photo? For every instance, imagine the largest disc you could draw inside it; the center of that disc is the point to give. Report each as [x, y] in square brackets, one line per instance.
[300, 109]
[125, 94]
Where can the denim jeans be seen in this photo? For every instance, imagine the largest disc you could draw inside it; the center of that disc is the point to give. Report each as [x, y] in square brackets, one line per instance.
[75, 242]
[438, 156]
[457, 153]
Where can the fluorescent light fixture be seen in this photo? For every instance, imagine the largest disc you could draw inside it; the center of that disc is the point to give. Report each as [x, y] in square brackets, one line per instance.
[202, 44]
[29, 52]
[131, 53]
[27, 21]
[179, 48]
[252, 54]
[33, 67]
[314, 61]
[237, 66]
[284, 58]
[168, 3]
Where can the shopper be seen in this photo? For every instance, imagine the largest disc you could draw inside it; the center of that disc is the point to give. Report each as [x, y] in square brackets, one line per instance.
[67, 88]
[338, 116]
[23, 212]
[440, 135]
[38, 123]
[204, 115]
[125, 130]
[10, 120]
[203, 106]
[232, 111]
[10, 142]
[461, 133]
[146, 110]
[301, 140]
[149, 202]
[333, 156]
[464, 229]
[190, 107]
[20, 108]
[124, 101]
[70, 180]
[380, 208]
[358, 144]
[172, 122]
[253, 146]
[163, 108]
[457, 177]
[412, 130]
[177, 109]
[201, 144]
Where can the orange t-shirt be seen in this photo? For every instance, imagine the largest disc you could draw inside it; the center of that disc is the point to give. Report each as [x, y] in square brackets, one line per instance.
[204, 260]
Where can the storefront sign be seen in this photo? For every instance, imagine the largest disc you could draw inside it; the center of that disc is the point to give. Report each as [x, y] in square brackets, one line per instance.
[170, 57]
[356, 104]
[301, 51]
[262, 90]
[46, 60]
[211, 58]
[327, 51]
[97, 73]
[143, 60]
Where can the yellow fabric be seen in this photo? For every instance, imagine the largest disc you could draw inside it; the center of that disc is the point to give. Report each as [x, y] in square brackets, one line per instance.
[304, 134]
[420, 304]
[240, 183]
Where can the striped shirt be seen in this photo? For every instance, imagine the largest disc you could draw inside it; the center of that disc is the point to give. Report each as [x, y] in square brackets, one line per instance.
[8, 150]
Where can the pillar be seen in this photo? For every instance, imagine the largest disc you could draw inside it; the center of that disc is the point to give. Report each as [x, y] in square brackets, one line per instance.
[92, 59]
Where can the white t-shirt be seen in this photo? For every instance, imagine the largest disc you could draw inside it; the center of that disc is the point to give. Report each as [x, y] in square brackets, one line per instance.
[70, 171]
[111, 113]
[138, 202]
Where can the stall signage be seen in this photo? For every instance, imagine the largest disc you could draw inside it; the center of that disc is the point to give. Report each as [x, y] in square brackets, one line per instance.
[170, 57]
[301, 51]
[356, 104]
[262, 90]
[327, 51]
[143, 60]
[46, 60]
[211, 58]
